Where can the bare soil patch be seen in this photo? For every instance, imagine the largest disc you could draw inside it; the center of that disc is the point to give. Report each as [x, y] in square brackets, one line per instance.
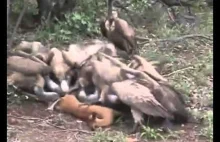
[30, 122]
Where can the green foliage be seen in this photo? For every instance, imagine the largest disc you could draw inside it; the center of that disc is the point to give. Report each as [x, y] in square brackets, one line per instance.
[150, 133]
[18, 5]
[107, 136]
[76, 24]
[208, 131]
[80, 23]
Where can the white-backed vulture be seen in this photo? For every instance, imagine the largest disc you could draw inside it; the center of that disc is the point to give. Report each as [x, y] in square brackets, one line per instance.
[78, 53]
[59, 68]
[35, 49]
[167, 95]
[33, 84]
[27, 66]
[141, 101]
[119, 32]
[30, 68]
[29, 47]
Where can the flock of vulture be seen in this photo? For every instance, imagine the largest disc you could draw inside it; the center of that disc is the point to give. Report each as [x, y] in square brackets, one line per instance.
[95, 80]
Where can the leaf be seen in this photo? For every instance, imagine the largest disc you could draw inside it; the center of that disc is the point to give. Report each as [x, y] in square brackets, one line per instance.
[83, 22]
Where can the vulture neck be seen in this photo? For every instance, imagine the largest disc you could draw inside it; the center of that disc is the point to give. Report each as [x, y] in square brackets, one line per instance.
[110, 5]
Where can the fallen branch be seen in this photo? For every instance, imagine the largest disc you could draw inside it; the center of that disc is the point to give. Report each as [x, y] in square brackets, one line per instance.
[142, 38]
[24, 118]
[175, 39]
[174, 72]
[16, 26]
[74, 130]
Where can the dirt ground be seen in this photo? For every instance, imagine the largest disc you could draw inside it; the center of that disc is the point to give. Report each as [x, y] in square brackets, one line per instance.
[31, 122]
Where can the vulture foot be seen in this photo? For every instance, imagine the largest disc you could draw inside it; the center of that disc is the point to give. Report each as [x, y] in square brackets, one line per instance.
[167, 126]
[136, 128]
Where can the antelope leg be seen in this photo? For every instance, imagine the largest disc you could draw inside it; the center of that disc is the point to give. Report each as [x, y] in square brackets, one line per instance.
[51, 107]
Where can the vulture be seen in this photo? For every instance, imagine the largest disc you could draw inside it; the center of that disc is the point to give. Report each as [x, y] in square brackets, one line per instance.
[164, 93]
[119, 32]
[60, 68]
[29, 75]
[141, 101]
[34, 48]
[27, 66]
[78, 53]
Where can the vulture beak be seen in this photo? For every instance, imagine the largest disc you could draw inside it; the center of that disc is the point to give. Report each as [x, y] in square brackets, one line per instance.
[64, 86]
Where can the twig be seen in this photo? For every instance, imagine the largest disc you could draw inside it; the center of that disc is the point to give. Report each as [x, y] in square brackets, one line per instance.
[55, 125]
[186, 36]
[142, 38]
[16, 26]
[174, 72]
[74, 130]
[8, 9]
[24, 118]
[175, 39]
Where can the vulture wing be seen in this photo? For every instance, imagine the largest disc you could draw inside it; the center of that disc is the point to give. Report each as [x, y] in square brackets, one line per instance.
[26, 66]
[149, 69]
[139, 97]
[126, 31]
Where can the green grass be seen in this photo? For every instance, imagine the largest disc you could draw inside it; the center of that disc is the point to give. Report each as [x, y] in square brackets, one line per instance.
[108, 136]
[208, 130]
[189, 62]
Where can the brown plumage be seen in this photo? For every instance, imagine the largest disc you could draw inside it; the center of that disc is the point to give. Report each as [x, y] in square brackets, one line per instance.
[29, 47]
[30, 69]
[43, 54]
[59, 68]
[173, 101]
[32, 84]
[119, 32]
[140, 99]
[145, 66]
[78, 53]
[27, 66]
[35, 49]
[164, 93]
[95, 116]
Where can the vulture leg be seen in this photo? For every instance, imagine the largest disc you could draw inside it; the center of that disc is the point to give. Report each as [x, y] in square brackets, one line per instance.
[138, 118]
[167, 125]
